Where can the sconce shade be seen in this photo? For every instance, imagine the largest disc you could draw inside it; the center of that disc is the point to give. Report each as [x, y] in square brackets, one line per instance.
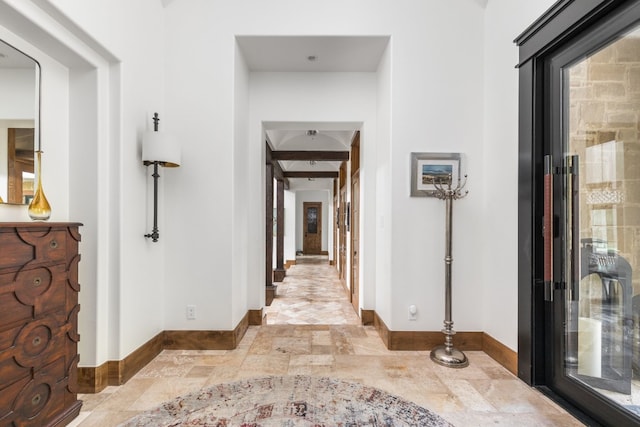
[160, 147]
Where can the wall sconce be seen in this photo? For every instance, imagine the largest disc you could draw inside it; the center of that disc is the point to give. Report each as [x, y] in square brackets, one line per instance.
[158, 149]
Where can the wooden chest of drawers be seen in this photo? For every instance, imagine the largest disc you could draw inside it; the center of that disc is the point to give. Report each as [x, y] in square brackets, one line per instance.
[39, 323]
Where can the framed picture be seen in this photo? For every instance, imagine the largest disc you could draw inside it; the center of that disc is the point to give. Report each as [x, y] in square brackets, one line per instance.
[429, 168]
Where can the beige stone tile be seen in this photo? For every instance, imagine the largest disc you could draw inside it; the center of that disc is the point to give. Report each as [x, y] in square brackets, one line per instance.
[470, 418]
[369, 346]
[513, 396]
[123, 397]
[471, 372]
[166, 389]
[441, 403]
[321, 349]
[222, 374]
[91, 401]
[260, 365]
[107, 419]
[312, 360]
[291, 345]
[470, 397]
[498, 373]
[311, 370]
[200, 371]
[229, 359]
[321, 338]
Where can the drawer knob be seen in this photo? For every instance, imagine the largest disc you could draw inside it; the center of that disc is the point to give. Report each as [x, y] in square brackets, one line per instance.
[35, 400]
[37, 281]
[53, 244]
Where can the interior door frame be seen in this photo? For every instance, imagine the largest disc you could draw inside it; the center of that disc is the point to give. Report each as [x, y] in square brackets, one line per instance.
[354, 256]
[559, 26]
[354, 288]
[342, 234]
[336, 222]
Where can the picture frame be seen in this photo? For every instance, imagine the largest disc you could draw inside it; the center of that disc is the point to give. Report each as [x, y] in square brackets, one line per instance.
[425, 167]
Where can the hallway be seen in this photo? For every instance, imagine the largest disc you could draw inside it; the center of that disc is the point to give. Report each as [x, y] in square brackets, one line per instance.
[312, 329]
[311, 294]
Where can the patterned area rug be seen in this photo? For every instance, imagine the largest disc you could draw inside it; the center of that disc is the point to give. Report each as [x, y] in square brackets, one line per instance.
[289, 401]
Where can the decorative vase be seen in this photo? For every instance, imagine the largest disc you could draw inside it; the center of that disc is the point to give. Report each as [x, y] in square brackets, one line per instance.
[39, 208]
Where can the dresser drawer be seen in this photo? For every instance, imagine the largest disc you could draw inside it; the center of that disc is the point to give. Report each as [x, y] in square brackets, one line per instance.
[33, 345]
[34, 401]
[32, 292]
[21, 246]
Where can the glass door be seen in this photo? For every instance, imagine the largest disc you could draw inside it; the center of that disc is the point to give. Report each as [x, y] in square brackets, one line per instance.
[593, 254]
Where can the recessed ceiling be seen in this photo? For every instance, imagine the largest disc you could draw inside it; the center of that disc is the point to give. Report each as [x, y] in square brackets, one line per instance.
[313, 53]
[295, 136]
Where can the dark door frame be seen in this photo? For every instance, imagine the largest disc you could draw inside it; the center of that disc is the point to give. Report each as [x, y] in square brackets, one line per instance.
[560, 25]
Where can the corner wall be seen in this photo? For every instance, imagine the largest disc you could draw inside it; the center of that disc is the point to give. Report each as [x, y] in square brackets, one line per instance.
[504, 21]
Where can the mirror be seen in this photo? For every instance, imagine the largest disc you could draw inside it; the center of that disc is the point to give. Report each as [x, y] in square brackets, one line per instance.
[19, 124]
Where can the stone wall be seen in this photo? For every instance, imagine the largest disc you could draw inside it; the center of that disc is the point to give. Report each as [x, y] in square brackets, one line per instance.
[603, 130]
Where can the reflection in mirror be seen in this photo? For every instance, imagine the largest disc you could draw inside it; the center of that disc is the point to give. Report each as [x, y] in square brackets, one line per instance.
[19, 114]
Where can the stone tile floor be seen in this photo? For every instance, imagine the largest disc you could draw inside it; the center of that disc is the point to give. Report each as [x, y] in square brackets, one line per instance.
[296, 342]
[311, 294]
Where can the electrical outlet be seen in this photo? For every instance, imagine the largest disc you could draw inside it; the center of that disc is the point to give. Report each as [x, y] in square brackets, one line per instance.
[191, 312]
[413, 312]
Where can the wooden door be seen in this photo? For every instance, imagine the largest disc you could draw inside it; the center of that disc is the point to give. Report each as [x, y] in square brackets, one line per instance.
[342, 250]
[312, 228]
[355, 241]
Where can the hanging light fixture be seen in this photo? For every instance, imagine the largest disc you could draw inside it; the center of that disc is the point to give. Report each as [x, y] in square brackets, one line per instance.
[158, 149]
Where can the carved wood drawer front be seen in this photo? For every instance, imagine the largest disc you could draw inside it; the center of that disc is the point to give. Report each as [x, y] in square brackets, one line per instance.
[26, 246]
[34, 402]
[31, 292]
[32, 345]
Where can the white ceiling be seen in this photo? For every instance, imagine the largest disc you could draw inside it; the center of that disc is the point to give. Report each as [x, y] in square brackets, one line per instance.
[329, 53]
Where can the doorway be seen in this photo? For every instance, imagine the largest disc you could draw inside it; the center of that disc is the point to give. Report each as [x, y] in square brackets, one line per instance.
[312, 228]
[579, 337]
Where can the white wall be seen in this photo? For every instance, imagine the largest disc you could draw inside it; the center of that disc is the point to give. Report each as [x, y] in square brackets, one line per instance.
[326, 220]
[436, 106]
[504, 21]
[241, 239]
[380, 205]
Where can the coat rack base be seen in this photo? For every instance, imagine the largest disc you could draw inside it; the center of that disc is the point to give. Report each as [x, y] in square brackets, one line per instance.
[451, 358]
